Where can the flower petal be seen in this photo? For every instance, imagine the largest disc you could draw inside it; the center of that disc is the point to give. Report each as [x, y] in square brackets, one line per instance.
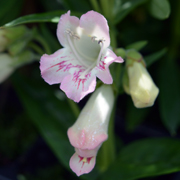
[96, 25]
[56, 66]
[66, 22]
[119, 60]
[102, 70]
[109, 57]
[76, 88]
[79, 166]
[105, 76]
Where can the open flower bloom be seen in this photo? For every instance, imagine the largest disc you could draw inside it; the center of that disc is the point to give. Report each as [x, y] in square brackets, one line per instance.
[90, 130]
[85, 55]
[141, 86]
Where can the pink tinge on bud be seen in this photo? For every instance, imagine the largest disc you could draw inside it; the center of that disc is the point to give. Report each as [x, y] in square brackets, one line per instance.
[90, 130]
[84, 140]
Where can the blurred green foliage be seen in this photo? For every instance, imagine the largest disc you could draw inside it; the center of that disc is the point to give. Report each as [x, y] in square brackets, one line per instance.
[134, 24]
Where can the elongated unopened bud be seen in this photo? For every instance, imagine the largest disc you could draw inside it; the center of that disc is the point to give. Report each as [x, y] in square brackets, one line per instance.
[141, 86]
[90, 130]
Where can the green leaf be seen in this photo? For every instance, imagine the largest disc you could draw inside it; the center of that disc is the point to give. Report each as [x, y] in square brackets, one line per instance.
[125, 8]
[160, 9]
[79, 6]
[154, 57]
[50, 38]
[41, 17]
[51, 116]
[134, 116]
[148, 157]
[169, 96]
[137, 45]
[8, 6]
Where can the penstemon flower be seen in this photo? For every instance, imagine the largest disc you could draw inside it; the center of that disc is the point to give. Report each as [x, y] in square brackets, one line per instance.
[84, 57]
[90, 130]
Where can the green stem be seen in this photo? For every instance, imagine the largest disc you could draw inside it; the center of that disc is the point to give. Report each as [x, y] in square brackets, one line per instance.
[175, 35]
[74, 107]
[105, 8]
[37, 57]
[43, 43]
[113, 38]
[95, 5]
[36, 48]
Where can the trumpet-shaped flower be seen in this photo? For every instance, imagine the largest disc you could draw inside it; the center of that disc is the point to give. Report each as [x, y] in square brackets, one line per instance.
[90, 130]
[84, 57]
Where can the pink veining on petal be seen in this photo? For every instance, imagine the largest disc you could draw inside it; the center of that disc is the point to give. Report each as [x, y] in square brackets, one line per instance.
[81, 158]
[63, 66]
[79, 166]
[76, 88]
[56, 66]
[60, 65]
[77, 80]
[101, 65]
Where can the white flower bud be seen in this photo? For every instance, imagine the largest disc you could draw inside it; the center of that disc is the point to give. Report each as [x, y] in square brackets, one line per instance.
[90, 130]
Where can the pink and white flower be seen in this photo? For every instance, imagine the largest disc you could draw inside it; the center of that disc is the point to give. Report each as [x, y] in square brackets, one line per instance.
[90, 130]
[85, 55]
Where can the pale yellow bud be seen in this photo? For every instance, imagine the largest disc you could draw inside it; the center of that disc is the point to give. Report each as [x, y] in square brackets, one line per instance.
[142, 88]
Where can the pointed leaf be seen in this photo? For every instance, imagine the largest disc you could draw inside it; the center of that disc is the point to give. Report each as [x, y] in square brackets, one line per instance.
[160, 9]
[154, 57]
[144, 158]
[51, 116]
[124, 9]
[8, 6]
[137, 45]
[53, 17]
[169, 96]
